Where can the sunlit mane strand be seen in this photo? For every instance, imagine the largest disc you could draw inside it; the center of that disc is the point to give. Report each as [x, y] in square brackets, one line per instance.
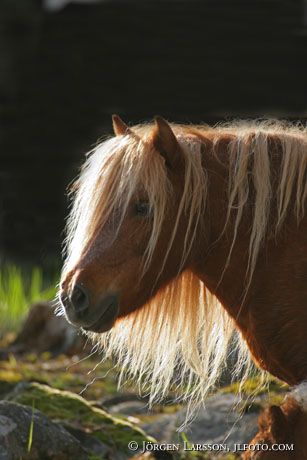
[183, 336]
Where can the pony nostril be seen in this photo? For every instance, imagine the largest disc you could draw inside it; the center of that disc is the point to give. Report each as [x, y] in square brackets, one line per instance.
[79, 299]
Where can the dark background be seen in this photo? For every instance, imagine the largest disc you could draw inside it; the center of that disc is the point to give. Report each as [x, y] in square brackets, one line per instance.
[63, 73]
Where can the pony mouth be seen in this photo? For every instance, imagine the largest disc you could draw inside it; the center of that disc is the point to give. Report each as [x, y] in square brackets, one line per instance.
[106, 321]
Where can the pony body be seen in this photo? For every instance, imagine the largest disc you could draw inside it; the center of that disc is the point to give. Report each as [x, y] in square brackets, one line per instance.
[183, 241]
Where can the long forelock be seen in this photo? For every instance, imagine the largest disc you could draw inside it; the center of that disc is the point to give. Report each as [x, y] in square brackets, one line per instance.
[111, 176]
[182, 337]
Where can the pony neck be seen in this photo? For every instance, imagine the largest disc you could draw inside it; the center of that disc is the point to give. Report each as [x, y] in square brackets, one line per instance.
[269, 313]
[226, 280]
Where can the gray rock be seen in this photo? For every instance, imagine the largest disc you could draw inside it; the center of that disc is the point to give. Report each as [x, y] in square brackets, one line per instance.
[43, 331]
[164, 427]
[91, 444]
[109, 401]
[220, 423]
[50, 441]
[129, 408]
[217, 423]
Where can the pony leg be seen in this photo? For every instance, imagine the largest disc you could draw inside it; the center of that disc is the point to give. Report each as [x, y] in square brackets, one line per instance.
[282, 430]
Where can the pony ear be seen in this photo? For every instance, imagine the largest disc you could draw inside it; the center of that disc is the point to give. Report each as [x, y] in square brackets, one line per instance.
[120, 128]
[164, 140]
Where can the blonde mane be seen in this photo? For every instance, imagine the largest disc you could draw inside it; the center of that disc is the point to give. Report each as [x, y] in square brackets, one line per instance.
[182, 338]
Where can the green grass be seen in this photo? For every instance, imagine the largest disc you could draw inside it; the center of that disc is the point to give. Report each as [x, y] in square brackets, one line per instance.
[30, 438]
[18, 290]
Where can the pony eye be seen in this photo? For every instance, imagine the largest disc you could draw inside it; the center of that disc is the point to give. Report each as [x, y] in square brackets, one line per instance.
[142, 209]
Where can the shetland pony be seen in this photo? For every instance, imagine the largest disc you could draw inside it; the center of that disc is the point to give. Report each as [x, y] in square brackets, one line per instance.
[186, 241]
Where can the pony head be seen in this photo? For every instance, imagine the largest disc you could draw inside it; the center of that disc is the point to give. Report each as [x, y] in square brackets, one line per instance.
[132, 211]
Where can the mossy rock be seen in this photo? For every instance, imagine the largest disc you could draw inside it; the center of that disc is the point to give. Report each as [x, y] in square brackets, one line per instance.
[73, 410]
[254, 386]
[27, 434]
[5, 388]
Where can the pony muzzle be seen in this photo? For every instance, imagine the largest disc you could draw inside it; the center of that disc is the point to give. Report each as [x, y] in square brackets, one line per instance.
[91, 316]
